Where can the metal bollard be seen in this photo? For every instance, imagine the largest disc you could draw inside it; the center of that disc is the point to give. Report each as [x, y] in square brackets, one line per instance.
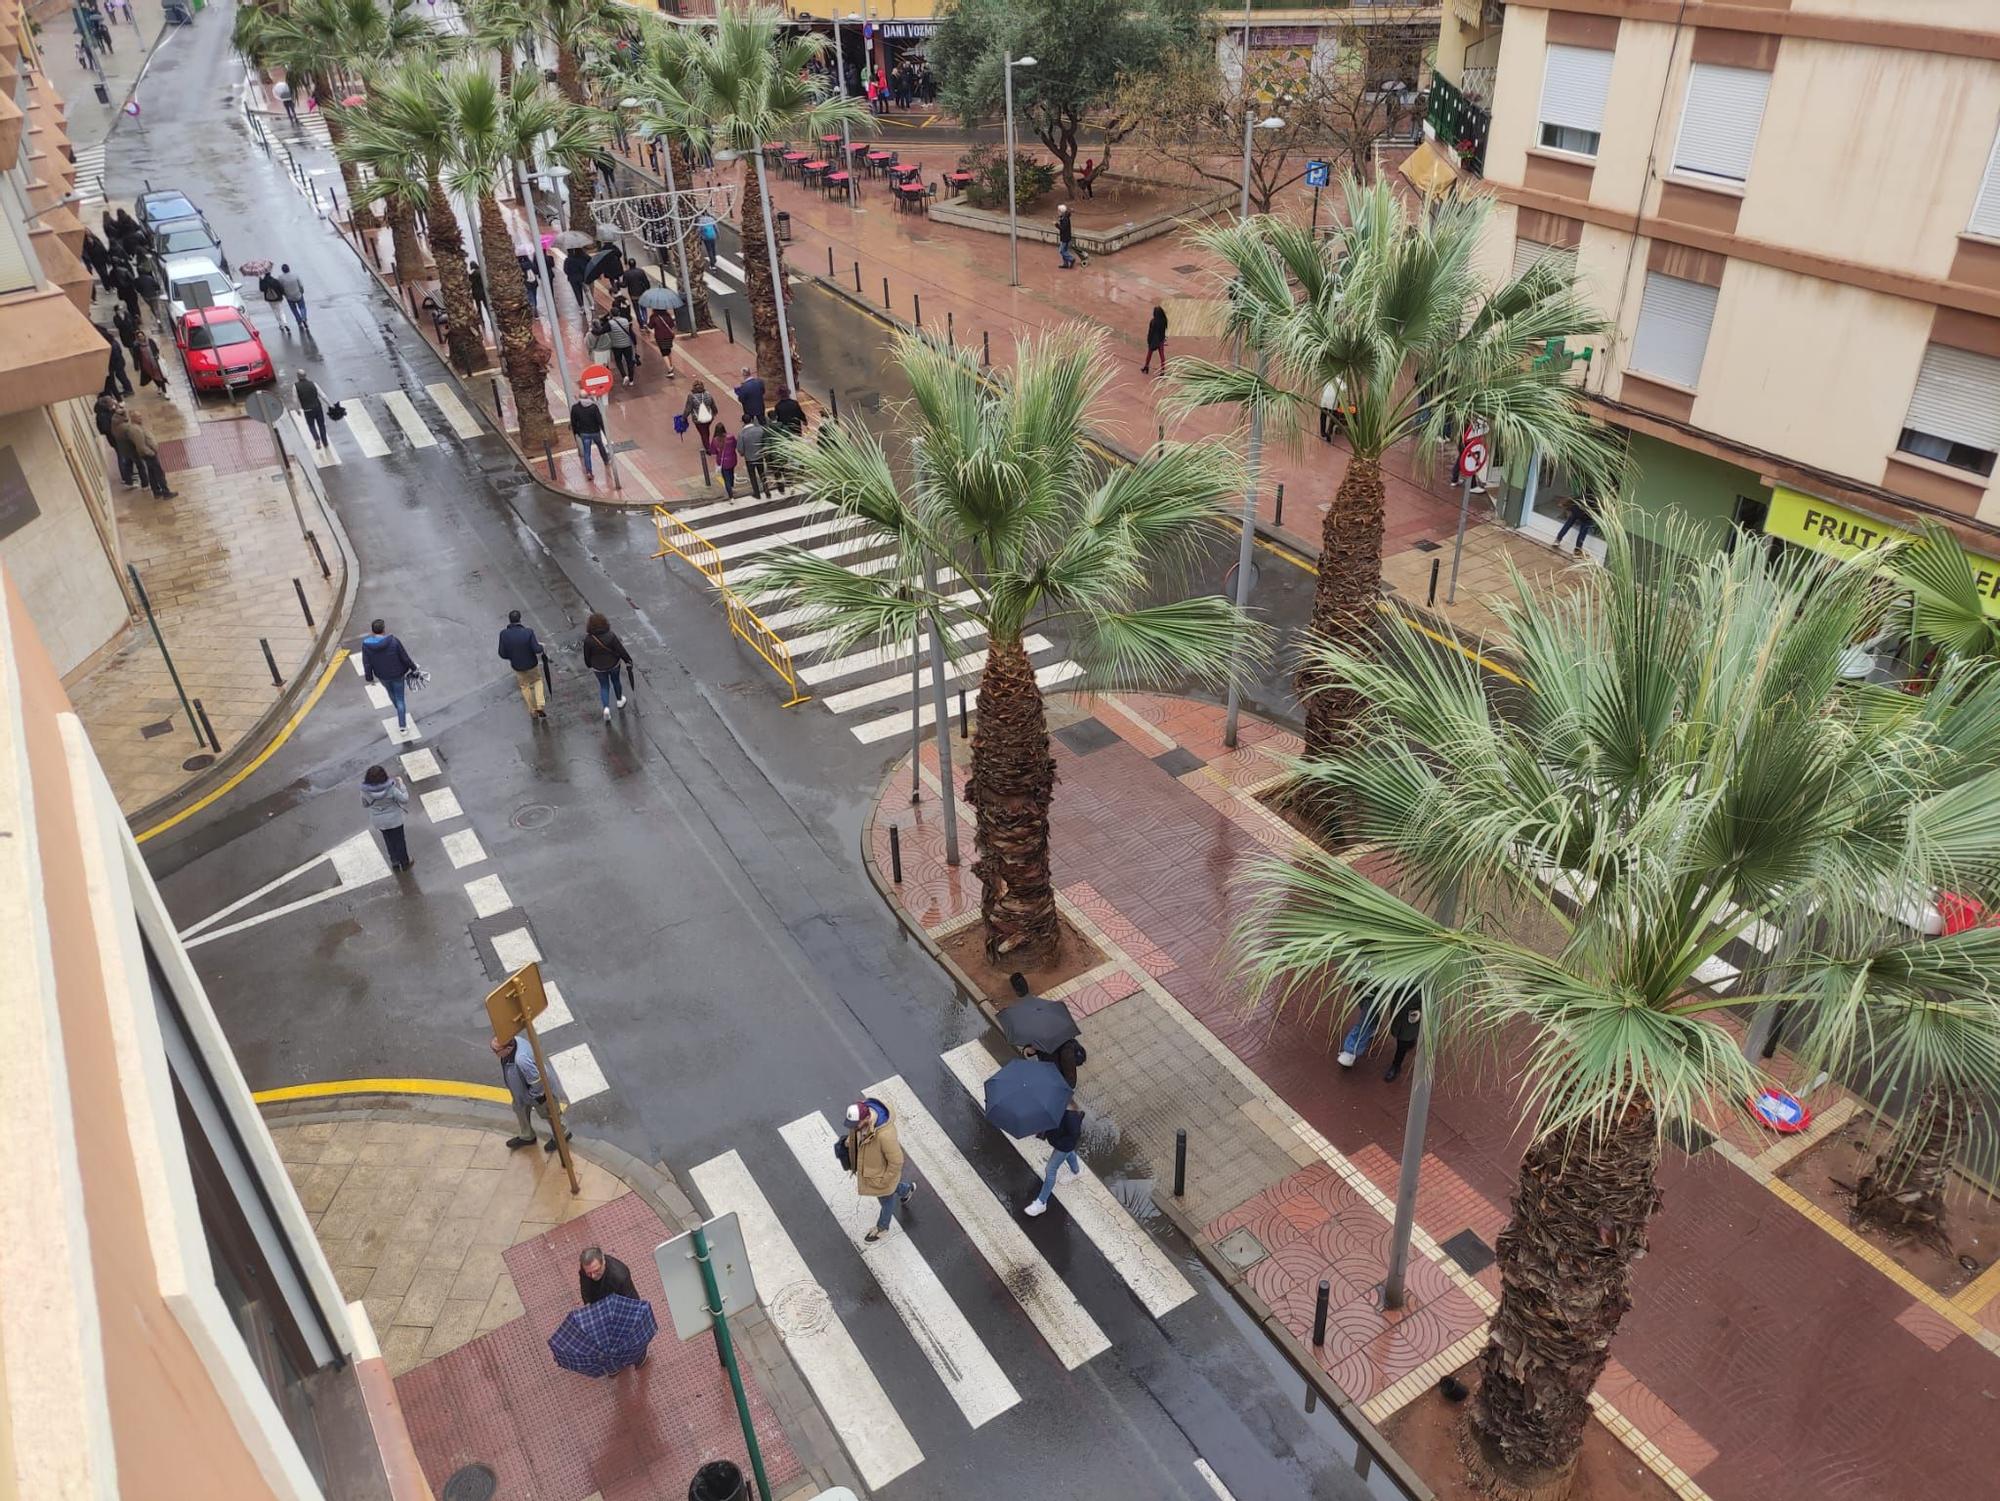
[950, 329]
[277, 678]
[829, 263]
[729, 325]
[1180, 1163]
[1319, 1315]
[306, 609]
[962, 731]
[497, 408]
[412, 291]
[986, 349]
[834, 396]
[1433, 599]
[1281, 504]
[312, 540]
[895, 855]
[202, 714]
[548, 454]
[857, 278]
[885, 292]
[917, 298]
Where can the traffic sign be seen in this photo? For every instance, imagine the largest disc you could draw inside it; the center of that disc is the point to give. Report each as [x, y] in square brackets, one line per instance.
[265, 407]
[681, 1280]
[1472, 455]
[516, 1001]
[1318, 174]
[1782, 1112]
[595, 380]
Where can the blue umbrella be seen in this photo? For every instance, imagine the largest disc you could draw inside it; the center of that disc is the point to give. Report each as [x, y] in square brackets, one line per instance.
[604, 1337]
[659, 297]
[1027, 1096]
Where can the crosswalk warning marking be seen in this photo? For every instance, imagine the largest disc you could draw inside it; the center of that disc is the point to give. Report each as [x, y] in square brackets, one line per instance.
[766, 518]
[969, 665]
[896, 654]
[462, 422]
[362, 426]
[407, 419]
[794, 536]
[1054, 675]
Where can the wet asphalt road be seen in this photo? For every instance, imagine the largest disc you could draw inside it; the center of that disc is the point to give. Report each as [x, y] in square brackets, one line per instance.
[689, 872]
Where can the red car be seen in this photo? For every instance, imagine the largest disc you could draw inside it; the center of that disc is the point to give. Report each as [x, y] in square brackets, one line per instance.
[220, 350]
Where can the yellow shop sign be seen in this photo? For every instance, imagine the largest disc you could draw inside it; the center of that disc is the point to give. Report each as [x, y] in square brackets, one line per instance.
[1825, 527]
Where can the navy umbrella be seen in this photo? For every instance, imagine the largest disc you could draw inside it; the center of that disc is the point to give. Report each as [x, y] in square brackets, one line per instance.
[604, 1337]
[1027, 1096]
[1038, 1023]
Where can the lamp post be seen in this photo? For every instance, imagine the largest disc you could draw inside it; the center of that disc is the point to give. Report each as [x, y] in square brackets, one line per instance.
[674, 217]
[846, 143]
[1250, 126]
[542, 276]
[1013, 230]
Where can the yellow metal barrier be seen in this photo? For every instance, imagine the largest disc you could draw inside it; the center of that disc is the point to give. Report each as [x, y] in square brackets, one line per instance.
[684, 542]
[743, 621]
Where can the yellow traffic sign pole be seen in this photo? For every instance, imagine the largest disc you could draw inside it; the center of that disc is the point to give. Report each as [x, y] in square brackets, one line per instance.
[512, 1007]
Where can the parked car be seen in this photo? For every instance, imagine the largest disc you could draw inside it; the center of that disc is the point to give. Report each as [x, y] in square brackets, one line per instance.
[184, 273]
[182, 237]
[158, 206]
[221, 351]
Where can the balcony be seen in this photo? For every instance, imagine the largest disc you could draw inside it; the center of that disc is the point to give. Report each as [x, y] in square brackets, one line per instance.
[1459, 123]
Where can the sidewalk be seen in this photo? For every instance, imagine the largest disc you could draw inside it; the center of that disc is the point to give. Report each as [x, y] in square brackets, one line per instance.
[1768, 1346]
[464, 1255]
[91, 123]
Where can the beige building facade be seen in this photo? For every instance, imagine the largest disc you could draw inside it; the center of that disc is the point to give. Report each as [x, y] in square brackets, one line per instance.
[1790, 210]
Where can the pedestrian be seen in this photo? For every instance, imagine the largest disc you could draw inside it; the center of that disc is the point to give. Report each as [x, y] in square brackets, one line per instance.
[385, 660]
[102, 32]
[147, 286]
[608, 170]
[706, 225]
[636, 282]
[699, 409]
[575, 261]
[1582, 516]
[872, 1153]
[126, 322]
[282, 92]
[477, 281]
[146, 355]
[145, 452]
[522, 652]
[661, 322]
[1087, 178]
[126, 288]
[1404, 1025]
[1332, 410]
[531, 282]
[586, 421]
[1062, 1140]
[106, 413]
[601, 1276]
[116, 380]
[751, 394]
[385, 797]
[274, 299]
[527, 1087]
[96, 257]
[603, 653]
[1064, 247]
[788, 415]
[295, 293]
[1156, 340]
[724, 446]
[750, 448]
[312, 408]
[614, 332]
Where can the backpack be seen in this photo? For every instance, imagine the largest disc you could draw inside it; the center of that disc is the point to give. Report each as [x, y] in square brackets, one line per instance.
[841, 1155]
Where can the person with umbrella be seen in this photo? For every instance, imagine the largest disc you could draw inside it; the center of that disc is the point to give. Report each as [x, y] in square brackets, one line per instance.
[599, 1276]
[659, 304]
[1027, 1097]
[871, 1151]
[1062, 1140]
[576, 261]
[604, 1336]
[1042, 1028]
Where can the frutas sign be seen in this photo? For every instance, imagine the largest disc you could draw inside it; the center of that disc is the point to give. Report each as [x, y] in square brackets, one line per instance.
[1833, 529]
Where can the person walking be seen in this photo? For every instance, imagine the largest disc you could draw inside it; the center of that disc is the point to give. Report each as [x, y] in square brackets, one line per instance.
[788, 415]
[636, 282]
[385, 660]
[107, 413]
[476, 281]
[532, 282]
[126, 286]
[147, 286]
[699, 409]
[145, 453]
[603, 653]
[751, 394]
[312, 408]
[706, 224]
[660, 323]
[1582, 516]
[522, 652]
[282, 92]
[274, 299]
[385, 797]
[725, 448]
[146, 355]
[1404, 1024]
[1062, 1140]
[608, 170]
[295, 293]
[96, 257]
[1156, 340]
[750, 448]
[1087, 178]
[586, 420]
[528, 1088]
[600, 1276]
[1064, 247]
[125, 321]
[871, 1151]
[576, 261]
[116, 381]
[614, 332]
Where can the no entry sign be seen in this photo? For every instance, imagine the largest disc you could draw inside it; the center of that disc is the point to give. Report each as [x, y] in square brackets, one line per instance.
[1781, 1111]
[1472, 455]
[595, 380]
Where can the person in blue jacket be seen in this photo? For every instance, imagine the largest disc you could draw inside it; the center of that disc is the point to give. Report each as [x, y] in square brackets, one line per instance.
[384, 661]
[1062, 1142]
[523, 653]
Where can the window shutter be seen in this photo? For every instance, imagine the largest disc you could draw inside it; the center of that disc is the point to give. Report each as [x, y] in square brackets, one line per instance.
[1986, 209]
[1674, 318]
[1527, 252]
[1719, 123]
[1958, 397]
[1575, 83]
[16, 273]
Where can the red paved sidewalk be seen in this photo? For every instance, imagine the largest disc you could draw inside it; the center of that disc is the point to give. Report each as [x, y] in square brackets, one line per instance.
[1768, 1350]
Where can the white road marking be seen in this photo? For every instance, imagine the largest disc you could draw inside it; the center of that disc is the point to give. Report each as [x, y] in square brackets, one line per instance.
[407, 734]
[488, 896]
[441, 804]
[766, 518]
[577, 1073]
[841, 523]
[462, 422]
[827, 1356]
[323, 458]
[558, 1013]
[407, 419]
[1151, 1274]
[891, 687]
[362, 426]
[354, 661]
[515, 948]
[965, 1366]
[1717, 973]
[377, 695]
[804, 613]
[991, 1227]
[725, 264]
[1054, 674]
[419, 765]
[1207, 1472]
[356, 861]
[897, 655]
[721, 508]
[462, 848]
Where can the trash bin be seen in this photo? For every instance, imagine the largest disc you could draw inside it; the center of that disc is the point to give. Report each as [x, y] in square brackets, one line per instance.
[783, 223]
[718, 1480]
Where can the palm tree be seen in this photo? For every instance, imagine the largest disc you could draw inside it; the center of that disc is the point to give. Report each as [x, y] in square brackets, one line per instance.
[658, 70]
[403, 135]
[491, 128]
[1004, 494]
[736, 85]
[1390, 308]
[1688, 759]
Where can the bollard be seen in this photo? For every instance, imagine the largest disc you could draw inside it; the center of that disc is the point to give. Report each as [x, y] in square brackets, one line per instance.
[1281, 504]
[1180, 1163]
[729, 325]
[885, 292]
[707, 480]
[950, 329]
[962, 731]
[829, 263]
[986, 349]
[917, 298]
[497, 418]
[202, 714]
[312, 541]
[895, 855]
[413, 299]
[857, 278]
[548, 453]
[834, 396]
[1433, 599]
[1319, 1315]
[277, 678]
[306, 609]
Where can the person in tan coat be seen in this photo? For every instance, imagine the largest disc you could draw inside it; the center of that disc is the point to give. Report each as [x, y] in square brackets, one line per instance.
[875, 1157]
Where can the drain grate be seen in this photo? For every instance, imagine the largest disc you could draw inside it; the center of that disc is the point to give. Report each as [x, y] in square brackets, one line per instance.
[1426, 545]
[197, 763]
[156, 729]
[533, 816]
[473, 1483]
[1241, 1249]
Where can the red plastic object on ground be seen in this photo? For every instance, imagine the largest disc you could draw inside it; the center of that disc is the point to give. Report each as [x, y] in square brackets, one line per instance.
[1782, 1112]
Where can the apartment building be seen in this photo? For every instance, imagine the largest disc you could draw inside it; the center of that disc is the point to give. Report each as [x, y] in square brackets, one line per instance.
[1790, 211]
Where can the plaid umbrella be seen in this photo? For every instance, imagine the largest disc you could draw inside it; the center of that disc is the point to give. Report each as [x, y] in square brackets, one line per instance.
[604, 1337]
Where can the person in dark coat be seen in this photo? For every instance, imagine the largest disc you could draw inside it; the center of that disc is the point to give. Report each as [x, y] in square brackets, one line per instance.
[1062, 1142]
[312, 408]
[788, 414]
[115, 379]
[126, 288]
[385, 660]
[126, 321]
[601, 1276]
[636, 281]
[661, 323]
[586, 422]
[532, 282]
[97, 257]
[522, 652]
[1156, 340]
[147, 286]
[575, 263]
[751, 394]
[146, 355]
[476, 281]
[108, 412]
[1064, 247]
[1404, 1024]
[603, 653]
[1582, 517]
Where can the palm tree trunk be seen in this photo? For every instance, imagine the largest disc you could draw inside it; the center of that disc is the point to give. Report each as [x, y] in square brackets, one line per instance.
[762, 286]
[1580, 1215]
[1904, 1191]
[359, 195]
[696, 292]
[522, 356]
[467, 347]
[583, 179]
[1011, 790]
[1350, 576]
[403, 234]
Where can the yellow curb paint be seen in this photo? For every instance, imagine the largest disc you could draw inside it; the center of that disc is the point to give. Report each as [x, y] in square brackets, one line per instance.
[1455, 644]
[1958, 1317]
[1980, 1291]
[257, 760]
[331, 1087]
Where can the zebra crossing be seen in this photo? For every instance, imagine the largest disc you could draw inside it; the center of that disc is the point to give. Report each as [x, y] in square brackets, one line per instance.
[828, 1353]
[403, 424]
[90, 177]
[868, 688]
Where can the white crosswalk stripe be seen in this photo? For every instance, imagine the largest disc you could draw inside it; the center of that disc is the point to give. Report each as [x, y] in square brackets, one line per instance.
[90, 176]
[361, 427]
[1052, 676]
[798, 536]
[462, 422]
[896, 655]
[323, 458]
[407, 419]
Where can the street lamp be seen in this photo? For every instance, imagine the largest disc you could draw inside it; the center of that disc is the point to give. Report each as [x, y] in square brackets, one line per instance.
[674, 218]
[1250, 126]
[1013, 231]
[840, 76]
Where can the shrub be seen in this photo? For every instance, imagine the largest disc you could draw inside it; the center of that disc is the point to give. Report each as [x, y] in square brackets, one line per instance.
[988, 188]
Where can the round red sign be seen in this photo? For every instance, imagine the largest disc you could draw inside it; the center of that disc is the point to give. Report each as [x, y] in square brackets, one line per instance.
[595, 380]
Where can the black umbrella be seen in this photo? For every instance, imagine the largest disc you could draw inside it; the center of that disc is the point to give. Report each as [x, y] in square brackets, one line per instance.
[1027, 1096]
[598, 262]
[1038, 1023]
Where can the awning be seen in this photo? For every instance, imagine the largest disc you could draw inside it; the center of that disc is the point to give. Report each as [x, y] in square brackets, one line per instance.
[1427, 169]
[1839, 532]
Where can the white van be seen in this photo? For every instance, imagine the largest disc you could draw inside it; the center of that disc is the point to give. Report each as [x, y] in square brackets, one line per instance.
[184, 273]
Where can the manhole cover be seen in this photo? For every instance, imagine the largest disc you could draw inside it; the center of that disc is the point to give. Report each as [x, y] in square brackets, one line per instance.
[196, 763]
[801, 1308]
[1241, 1249]
[533, 816]
[473, 1483]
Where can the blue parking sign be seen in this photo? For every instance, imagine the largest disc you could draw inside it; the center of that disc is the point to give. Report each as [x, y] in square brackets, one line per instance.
[1318, 174]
